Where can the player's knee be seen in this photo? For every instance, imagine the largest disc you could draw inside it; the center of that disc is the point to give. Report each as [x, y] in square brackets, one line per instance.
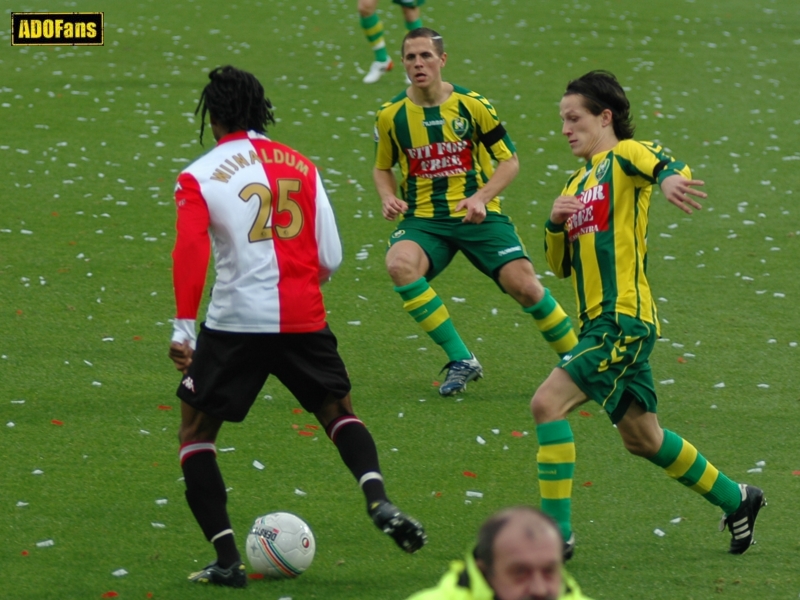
[543, 409]
[402, 270]
[640, 446]
[366, 7]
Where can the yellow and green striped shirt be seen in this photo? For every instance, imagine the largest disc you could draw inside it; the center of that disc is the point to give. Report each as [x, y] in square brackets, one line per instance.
[604, 246]
[445, 152]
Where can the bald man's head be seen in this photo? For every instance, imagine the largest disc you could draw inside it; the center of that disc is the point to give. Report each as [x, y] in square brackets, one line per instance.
[519, 551]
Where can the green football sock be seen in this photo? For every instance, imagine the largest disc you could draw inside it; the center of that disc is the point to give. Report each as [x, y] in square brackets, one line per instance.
[554, 324]
[373, 29]
[412, 25]
[556, 460]
[427, 309]
[683, 462]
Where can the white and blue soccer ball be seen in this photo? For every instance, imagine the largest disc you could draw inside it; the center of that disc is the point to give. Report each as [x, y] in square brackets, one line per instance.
[280, 545]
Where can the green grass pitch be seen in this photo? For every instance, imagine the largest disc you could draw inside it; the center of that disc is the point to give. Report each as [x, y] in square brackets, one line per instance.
[91, 142]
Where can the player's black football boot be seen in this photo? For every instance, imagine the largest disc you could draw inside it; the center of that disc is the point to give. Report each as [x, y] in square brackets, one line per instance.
[234, 576]
[406, 531]
[742, 522]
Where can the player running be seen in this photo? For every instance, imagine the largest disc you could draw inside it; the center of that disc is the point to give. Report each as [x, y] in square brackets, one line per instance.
[275, 241]
[445, 139]
[597, 234]
[372, 26]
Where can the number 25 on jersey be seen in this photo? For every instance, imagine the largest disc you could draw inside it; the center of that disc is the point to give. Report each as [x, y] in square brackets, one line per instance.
[265, 221]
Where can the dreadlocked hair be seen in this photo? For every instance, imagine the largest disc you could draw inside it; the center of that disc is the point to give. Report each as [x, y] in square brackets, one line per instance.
[235, 99]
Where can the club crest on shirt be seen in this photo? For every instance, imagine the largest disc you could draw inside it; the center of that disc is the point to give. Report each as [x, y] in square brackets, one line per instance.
[602, 169]
[399, 233]
[460, 126]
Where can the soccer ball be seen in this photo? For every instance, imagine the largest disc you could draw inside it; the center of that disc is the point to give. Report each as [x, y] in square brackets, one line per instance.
[280, 545]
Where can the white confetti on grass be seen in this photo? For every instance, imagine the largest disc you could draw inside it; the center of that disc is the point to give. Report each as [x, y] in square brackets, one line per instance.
[258, 465]
[37, 472]
[659, 533]
[162, 501]
[474, 494]
[480, 440]
[119, 573]
[300, 492]
[21, 504]
[720, 385]
[158, 525]
[45, 544]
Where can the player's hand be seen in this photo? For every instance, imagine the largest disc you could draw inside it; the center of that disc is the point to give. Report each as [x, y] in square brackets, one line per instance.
[679, 191]
[476, 209]
[392, 207]
[181, 355]
[563, 208]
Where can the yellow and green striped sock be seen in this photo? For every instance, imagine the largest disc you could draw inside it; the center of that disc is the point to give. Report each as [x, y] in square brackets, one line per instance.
[683, 462]
[554, 324]
[427, 309]
[373, 29]
[556, 460]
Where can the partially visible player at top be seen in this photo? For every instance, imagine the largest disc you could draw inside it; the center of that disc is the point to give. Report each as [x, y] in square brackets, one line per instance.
[597, 234]
[446, 140]
[373, 30]
[275, 241]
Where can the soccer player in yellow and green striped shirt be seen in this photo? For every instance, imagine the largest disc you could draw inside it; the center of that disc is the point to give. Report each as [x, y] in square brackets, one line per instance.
[597, 234]
[445, 140]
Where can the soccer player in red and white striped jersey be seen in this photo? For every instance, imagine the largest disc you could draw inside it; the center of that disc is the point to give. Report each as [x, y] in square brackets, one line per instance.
[262, 207]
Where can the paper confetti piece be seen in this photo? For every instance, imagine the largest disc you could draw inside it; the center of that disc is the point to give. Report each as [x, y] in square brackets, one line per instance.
[761, 463]
[258, 465]
[305, 433]
[721, 384]
[755, 470]
[110, 594]
[795, 472]
[300, 492]
[45, 544]
[10, 424]
[682, 360]
[57, 422]
[470, 474]
[517, 433]
[480, 440]
[473, 494]
[119, 573]
[584, 413]
[297, 411]
[659, 533]
[161, 501]
[231, 449]
[314, 427]
[667, 382]
[676, 520]
[24, 553]
[158, 525]
[37, 472]
[255, 576]
[164, 407]
[587, 484]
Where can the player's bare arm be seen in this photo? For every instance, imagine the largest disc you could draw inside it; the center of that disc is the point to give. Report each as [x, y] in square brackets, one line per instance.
[563, 208]
[503, 175]
[391, 205]
[679, 191]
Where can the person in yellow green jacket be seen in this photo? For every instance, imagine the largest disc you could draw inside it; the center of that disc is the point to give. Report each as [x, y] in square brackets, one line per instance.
[518, 556]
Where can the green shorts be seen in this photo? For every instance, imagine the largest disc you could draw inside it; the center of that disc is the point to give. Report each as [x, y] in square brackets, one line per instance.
[488, 245]
[409, 3]
[611, 364]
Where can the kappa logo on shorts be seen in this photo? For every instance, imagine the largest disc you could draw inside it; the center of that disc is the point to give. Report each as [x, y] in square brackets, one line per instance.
[460, 126]
[602, 169]
[188, 383]
[399, 233]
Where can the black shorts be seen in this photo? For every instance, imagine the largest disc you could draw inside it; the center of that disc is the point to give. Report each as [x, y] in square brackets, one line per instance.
[228, 370]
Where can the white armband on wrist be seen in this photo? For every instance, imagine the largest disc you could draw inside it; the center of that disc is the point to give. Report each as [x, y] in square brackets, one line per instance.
[183, 330]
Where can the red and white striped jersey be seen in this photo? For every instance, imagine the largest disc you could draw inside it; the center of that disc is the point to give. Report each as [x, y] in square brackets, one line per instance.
[274, 236]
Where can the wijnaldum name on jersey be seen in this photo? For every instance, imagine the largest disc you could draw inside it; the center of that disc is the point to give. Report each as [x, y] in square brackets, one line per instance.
[238, 161]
